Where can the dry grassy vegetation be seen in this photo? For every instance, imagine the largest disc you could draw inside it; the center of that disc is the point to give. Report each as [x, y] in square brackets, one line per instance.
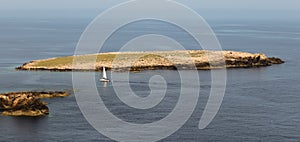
[118, 60]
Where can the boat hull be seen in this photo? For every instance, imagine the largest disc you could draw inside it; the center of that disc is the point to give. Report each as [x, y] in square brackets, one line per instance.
[104, 80]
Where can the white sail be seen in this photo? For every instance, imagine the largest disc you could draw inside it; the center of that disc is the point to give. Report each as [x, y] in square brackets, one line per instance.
[104, 77]
[104, 74]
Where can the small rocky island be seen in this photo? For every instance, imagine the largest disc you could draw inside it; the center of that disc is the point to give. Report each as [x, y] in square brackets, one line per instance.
[26, 103]
[138, 61]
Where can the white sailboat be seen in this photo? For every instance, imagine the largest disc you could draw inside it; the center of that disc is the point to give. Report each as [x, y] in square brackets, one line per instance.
[104, 76]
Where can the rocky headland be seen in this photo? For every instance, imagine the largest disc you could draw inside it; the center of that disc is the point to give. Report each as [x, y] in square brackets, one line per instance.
[26, 103]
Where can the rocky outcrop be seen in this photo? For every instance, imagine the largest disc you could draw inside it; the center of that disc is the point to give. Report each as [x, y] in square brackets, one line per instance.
[138, 61]
[274, 60]
[26, 103]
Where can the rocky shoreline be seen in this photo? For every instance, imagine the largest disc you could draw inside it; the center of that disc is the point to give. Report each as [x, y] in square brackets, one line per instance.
[26, 103]
[155, 60]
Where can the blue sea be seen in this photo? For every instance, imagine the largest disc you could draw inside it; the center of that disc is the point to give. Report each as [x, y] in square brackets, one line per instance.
[260, 104]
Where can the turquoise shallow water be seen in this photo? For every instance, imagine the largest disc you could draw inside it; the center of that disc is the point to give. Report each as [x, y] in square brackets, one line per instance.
[260, 104]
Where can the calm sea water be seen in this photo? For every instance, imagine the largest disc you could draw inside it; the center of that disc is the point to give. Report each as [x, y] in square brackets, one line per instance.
[260, 104]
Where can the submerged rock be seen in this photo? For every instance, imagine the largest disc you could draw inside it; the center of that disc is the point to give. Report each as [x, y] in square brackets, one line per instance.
[26, 103]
